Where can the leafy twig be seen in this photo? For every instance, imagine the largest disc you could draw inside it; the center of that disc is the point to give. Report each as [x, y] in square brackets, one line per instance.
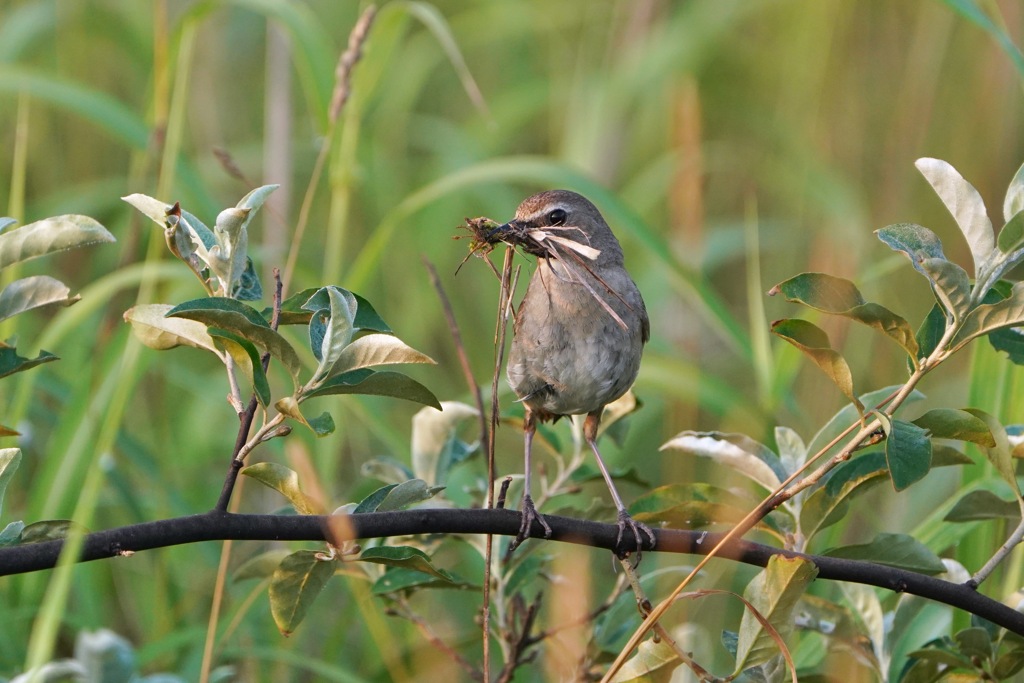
[242, 443]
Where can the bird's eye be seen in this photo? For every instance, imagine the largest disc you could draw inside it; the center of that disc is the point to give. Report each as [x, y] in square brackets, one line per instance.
[557, 217]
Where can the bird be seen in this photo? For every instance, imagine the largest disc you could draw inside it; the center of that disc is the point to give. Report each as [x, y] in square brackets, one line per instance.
[578, 333]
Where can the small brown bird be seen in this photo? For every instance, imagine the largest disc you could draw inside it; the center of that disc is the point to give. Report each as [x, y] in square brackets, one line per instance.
[579, 333]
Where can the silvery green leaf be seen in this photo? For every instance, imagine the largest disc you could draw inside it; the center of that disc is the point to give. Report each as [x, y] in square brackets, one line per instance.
[377, 349]
[965, 204]
[950, 284]
[48, 236]
[254, 200]
[10, 458]
[152, 208]
[1008, 312]
[34, 292]
[432, 430]
[740, 452]
[339, 331]
[1014, 202]
[792, 450]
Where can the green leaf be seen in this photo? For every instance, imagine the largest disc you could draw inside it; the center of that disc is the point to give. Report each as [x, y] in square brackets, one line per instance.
[298, 308]
[243, 320]
[814, 343]
[966, 206]
[153, 328]
[261, 566]
[930, 333]
[335, 335]
[948, 423]
[321, 425]
[838, 296]
[405, 494]
[295, 585]
[792, 450]
[847, 414]
[11, 362]
[432, 433]
[1008, 664]
[949, 281]
[254, 200]
[1011, 237]
[59, 233]
[405, 557]
[1009, 340]
[248, 287]
[908, 451]
[246, 359]
[916, 242]
[654, 662]
[868, 608]
[370, 503]
[774, 593]
[48, 530]
[34, 292]
[737, 451]
[1000, 455]
[893, 550]
[286, 482]
[152, 208]
[10, 459]
[377, 383]
[1013, 204]
[1008, 312]
[401, 579]
[827, 504]
[974, 642]
[377, 349]
[11, 534]
[981, 505]
[951, 286]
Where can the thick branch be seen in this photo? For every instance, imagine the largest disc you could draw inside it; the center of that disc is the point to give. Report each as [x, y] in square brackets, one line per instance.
[218, 526]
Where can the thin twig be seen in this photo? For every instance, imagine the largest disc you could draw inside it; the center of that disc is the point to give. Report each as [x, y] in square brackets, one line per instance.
[522, 642]
[788, 489]
[501, 323]
[1011, 542]
[406, 612]
[644, 605]
[242, 444]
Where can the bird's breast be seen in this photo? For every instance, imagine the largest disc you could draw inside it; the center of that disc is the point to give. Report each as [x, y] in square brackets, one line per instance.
[570, 355]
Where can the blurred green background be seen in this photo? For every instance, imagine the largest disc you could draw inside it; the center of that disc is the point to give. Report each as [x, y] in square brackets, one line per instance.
[730, 143]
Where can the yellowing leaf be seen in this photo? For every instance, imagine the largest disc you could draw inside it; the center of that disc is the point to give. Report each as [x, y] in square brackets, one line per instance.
[155, 330]
[813, 341]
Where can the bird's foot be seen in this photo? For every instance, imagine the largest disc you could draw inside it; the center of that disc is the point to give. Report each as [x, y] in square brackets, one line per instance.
[635, 527]
[529, 515]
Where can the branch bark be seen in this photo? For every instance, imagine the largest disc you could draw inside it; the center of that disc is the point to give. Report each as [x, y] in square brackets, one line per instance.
[220, 526]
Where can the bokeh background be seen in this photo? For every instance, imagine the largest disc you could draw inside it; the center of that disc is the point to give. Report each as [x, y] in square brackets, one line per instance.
[730, 143]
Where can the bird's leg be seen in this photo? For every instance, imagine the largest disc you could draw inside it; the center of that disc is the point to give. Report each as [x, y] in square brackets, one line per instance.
[529, 512]
[625, 521]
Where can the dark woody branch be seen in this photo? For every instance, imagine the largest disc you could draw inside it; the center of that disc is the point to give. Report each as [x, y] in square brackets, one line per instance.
[218, 526]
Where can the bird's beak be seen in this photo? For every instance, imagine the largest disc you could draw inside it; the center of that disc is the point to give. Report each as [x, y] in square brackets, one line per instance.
[503, 228]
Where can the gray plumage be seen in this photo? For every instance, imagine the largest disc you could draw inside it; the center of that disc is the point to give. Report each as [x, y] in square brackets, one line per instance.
[579, 333]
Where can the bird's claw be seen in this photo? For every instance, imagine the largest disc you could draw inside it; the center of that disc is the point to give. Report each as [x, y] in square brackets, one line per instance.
[625, 521]
[529, 515]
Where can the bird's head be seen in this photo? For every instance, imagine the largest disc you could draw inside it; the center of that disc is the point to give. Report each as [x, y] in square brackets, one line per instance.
[568, 215]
